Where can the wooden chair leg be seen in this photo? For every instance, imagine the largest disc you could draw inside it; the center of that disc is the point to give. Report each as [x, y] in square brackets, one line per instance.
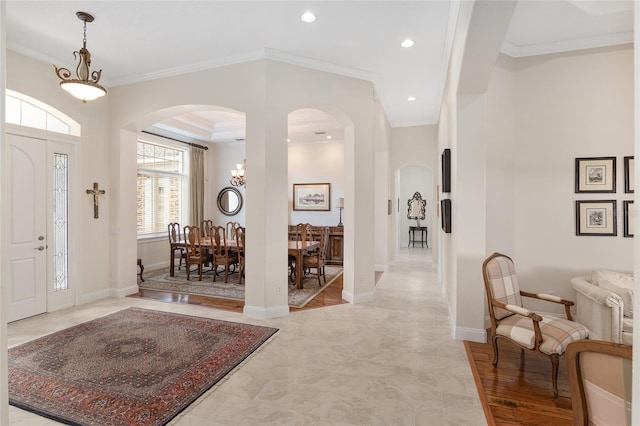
[554, 373]
[494, 342]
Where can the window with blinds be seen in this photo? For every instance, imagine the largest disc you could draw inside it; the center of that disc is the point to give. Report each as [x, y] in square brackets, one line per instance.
[162, 182]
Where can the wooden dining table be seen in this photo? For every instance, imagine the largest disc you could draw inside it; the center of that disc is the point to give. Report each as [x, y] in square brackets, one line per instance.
[204, 242]
[298, 249]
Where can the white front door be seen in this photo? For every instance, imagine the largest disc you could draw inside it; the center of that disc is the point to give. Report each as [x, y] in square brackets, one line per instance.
[26, 183]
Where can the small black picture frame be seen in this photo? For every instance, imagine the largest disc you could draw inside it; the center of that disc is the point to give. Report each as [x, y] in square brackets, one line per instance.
[595, 175]
[445, 206]
[596, 218]
[629, 166]
[446, 170]
[628, 219]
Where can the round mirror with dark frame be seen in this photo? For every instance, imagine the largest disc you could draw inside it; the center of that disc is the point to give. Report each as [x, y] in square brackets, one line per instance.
[229, 201]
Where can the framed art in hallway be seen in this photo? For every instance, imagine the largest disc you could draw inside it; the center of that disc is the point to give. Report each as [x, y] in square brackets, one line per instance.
[446, 170]
[629, 173]
[595, 174]
[628, 219]
[311, 196]
[596, 217]
[446, 215]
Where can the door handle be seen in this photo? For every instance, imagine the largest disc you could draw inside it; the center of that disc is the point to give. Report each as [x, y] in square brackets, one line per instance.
[40, 248]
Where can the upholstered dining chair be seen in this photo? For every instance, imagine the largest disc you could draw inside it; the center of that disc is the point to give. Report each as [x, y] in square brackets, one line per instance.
[240, 245]
[222, 256]
[600, 379]
[174, 241]
[512, 322]
[316, 259]
[195, 253]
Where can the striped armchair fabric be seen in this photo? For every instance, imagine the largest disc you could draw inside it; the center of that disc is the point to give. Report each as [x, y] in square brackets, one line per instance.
[510, 320]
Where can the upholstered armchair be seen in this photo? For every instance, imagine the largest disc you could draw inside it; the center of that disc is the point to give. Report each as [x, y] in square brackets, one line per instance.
[604, 304]
[600, 379]
[511, 321]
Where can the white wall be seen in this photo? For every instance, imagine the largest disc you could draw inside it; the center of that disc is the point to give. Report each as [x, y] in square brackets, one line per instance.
[569, 105]
[317, 163]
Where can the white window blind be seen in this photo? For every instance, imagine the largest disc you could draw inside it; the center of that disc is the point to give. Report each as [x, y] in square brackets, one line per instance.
[161, 187]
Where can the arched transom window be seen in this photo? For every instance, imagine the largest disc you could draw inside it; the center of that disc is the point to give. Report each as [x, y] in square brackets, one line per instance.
[27, 111]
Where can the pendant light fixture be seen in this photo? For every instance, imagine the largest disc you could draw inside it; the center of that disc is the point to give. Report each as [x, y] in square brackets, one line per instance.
[85, 86]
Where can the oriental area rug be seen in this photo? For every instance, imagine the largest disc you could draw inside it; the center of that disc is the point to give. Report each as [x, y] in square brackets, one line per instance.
[133, 367]
[160, 280]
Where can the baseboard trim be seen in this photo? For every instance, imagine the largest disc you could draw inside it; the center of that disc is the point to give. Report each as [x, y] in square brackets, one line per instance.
[124, 292]
[360, 298]
[470, 334]
[93, 296]
[258, 312]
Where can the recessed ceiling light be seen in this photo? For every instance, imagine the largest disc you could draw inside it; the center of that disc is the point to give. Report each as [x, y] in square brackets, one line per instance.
[308, 17]
[407, 43]
[329, 136]
[411, 98]
[288, 140]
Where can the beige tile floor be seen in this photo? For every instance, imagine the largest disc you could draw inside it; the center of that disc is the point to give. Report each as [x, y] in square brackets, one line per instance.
[389, 362]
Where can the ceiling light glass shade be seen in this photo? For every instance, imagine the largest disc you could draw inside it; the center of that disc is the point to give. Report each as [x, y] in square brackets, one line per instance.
[84, 90]
[85, 87]
[411, 98]
[308, 17]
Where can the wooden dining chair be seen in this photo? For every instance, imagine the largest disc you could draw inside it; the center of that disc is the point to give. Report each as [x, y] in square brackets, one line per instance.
[316, 259]
[240, 247]
[195, 253]
[231, 229]
[174, 243]
[301, 232]
[207, 224]
[222, 256]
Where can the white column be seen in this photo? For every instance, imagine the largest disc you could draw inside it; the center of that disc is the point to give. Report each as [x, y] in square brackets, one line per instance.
[266, 293]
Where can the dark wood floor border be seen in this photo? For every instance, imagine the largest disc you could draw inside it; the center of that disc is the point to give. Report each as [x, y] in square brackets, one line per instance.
[480, 390]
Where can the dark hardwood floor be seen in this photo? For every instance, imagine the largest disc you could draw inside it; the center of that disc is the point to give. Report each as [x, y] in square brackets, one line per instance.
[518, 391]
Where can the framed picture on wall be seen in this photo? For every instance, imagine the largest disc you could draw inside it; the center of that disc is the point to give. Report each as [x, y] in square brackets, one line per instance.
[446, 215]
[595, 174]
[628, 219]
[446, 170]
[312, 196]
[596, 217]
[629, 173]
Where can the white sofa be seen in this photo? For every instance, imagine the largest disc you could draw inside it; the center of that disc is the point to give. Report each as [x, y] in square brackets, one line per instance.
[604, 304]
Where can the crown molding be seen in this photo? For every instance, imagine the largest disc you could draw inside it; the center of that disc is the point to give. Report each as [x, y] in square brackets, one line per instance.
[516, 51]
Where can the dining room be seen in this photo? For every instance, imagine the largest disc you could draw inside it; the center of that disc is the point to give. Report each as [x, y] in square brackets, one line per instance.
[312, 134]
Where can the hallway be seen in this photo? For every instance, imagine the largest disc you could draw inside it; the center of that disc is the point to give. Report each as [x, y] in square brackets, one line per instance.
[390, 362]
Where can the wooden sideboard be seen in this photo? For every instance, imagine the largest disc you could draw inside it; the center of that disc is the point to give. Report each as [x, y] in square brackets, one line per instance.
[335, 253]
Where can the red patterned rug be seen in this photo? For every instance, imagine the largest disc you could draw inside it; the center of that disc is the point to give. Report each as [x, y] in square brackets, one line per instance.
[132, 367]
